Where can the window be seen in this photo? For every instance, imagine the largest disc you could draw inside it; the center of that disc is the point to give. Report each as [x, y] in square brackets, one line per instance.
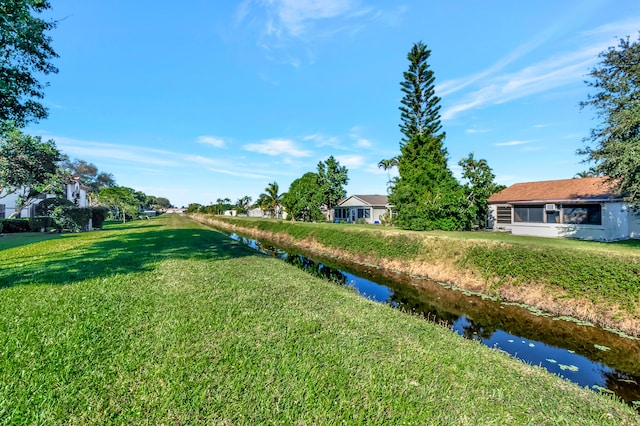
[582, 214]
[341, 213]
[504, 214]
[364, 213]
[2, 211]
[529, 214]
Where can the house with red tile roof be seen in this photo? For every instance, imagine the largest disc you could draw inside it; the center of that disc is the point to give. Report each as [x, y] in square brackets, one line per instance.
[583, 208]
[368, 208]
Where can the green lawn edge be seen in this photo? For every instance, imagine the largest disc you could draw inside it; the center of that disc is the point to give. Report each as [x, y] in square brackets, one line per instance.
[606, 275]
[169, 322]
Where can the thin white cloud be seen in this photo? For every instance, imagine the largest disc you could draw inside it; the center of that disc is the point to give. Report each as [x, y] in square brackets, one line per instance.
[282, 24]
[200, 160]
[511, 143]
[473, 131]
[452, 86]
[275, 147]
[296, 15]
[239, 174]
[364, 143]
[211, 140]
[559, 70]
[321, 140]
[350, 161]
[108, 151]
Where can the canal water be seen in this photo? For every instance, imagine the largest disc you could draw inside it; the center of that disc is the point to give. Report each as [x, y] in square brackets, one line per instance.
[582, 353]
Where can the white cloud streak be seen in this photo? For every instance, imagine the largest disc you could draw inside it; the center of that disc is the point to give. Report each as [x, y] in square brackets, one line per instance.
[350, 161]
[548, 74]
[511, 143]
[211, 140]
[275, 147]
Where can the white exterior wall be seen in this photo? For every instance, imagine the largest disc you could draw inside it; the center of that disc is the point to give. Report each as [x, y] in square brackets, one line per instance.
[378, 214]
[616, 225]
[9, 202]
[77, 194]
[634, 224]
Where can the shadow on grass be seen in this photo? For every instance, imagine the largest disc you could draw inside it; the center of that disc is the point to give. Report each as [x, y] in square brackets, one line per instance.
[122, 254]
[8, 241]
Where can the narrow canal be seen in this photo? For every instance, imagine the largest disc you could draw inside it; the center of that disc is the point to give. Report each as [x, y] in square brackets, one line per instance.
[582, 353]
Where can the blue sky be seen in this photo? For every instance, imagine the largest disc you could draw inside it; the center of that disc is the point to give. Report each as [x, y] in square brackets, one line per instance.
[201, 100]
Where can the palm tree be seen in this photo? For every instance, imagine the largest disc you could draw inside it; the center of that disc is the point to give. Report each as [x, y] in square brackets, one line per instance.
[270, 200]
[585, 174]
[387, 164]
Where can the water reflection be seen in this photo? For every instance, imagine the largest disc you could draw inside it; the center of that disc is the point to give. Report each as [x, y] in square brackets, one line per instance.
[588, 356]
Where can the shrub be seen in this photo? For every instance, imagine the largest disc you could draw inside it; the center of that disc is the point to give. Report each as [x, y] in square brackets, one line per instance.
[38, 222]
[46, 206]
[15, 225]
[0, 226]
[71, 218]
[98, 216]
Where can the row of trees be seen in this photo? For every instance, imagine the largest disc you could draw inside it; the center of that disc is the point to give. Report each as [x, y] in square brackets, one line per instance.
[304, 201]
[312, 192]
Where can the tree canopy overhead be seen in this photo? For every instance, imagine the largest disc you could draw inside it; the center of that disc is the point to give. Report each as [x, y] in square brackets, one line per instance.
[614, 146]
[25, 55]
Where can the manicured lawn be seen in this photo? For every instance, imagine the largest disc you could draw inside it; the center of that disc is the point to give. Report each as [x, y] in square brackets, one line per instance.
[168, 322]
[24, 238]
[598, 282]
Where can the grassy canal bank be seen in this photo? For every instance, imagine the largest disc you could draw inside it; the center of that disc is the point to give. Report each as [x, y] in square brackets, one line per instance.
[169, 322]
[590, 281]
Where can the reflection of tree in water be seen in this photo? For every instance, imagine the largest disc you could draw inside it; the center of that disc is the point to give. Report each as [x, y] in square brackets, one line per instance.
[626, 386]
[317, 269]
[408, 299]
[475, 331]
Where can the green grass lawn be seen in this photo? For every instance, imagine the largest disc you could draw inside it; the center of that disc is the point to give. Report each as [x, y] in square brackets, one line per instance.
[168, 322]
[600, 281]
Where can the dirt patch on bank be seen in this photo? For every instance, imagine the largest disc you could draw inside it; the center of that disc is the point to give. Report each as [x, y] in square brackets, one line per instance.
[533, 294]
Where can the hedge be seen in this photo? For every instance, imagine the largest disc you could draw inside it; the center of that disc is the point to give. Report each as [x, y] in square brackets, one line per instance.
[38, 222]
[14, 225]
[98, 216]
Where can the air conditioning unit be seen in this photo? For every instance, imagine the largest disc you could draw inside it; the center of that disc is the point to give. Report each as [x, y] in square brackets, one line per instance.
[550, 207]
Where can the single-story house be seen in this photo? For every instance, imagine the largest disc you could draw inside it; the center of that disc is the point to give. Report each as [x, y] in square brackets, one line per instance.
[370, 208]
[583, 208]
[74, 191]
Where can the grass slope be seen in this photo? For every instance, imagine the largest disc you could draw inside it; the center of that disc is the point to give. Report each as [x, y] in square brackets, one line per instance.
[167, 322]
[592, 281]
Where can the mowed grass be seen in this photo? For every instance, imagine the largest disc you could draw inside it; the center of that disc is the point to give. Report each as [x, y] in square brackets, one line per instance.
[168, 322]
[605, 274]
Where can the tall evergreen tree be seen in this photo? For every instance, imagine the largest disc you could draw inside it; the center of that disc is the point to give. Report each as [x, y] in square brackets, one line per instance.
[426, 195]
